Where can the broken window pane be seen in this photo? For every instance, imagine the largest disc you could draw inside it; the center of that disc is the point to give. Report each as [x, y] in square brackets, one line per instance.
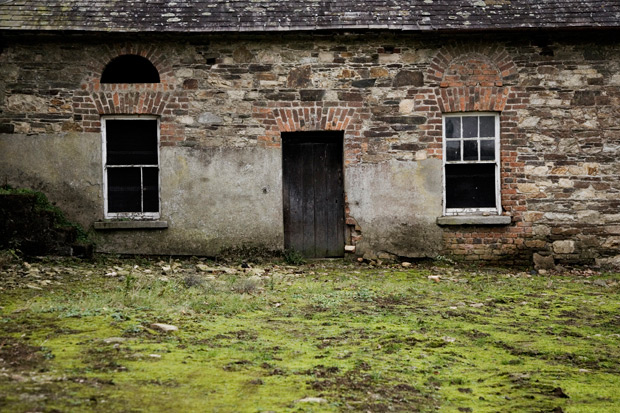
[453, 128]
[487, 126]
[470, 150]
[124, 190]
[487, 150]
[470, 185]
[132, 166]
[453, 150]
[470, 126]
[130, 142]
[150, 182]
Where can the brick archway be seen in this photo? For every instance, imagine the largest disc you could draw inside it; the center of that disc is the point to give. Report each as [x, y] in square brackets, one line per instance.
[278, 117]
[163, 99]
[472, 78]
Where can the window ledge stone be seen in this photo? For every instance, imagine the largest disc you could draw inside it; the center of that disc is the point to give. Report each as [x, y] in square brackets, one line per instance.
[474, 220]
[111, 225]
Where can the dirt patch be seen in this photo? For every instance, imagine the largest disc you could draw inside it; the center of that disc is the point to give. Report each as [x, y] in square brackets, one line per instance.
[359, 390]
[17, 355]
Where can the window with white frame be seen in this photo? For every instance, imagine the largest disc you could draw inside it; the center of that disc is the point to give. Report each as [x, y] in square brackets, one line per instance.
[471, 163]
[131, 167]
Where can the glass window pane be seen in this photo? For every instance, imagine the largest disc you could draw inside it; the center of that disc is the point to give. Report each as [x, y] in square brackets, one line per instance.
[470, 150]
[487, 126]
[150, 179]
[487, 150]
[453, 128]
[453, 150]
[131, 142]
[470, 186]
[124, 190]
[470, 126]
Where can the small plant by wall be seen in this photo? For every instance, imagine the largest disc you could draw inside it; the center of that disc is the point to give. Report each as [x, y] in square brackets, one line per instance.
[32, 225]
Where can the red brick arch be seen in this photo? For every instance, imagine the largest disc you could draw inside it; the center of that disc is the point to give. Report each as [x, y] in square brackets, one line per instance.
[278, 117]
[472, 77]
[462, 58]
[163, 99]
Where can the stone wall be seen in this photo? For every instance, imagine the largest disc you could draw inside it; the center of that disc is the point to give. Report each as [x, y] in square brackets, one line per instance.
[224, 101]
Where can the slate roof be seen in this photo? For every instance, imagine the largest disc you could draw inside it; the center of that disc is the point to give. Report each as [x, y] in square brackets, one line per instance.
[286, 15]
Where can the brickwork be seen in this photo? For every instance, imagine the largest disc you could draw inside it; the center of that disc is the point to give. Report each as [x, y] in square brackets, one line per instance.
[163, 99]
[478, 77]
[558, 102]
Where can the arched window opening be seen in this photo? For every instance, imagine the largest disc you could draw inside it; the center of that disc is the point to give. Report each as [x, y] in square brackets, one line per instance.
[130, 69]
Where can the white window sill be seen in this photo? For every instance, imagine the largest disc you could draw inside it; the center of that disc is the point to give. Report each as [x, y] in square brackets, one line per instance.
[474, 220]
[111, 225]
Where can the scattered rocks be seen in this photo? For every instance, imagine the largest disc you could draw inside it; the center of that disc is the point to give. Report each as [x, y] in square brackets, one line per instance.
[164, 327]
[112, 340]
[205, 268]
[312, 400]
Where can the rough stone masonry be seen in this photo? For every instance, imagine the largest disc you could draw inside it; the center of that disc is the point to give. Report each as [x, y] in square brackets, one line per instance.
[224, 101]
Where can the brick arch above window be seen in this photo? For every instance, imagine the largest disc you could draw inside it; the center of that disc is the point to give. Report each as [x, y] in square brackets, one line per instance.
[472, 69]
[130, 68]
[162, 99]
[460, 65]
[155, 55]
[473, 99]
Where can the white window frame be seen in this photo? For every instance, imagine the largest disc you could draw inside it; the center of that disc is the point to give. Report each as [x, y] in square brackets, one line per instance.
[497, 210]
[129, 215]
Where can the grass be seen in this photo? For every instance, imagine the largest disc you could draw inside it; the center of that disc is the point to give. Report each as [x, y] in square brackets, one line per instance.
[322, 337]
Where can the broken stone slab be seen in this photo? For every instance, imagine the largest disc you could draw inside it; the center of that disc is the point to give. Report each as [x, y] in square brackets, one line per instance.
[312, 400]
[164, 327]
[112, 340]
[600, 283]
[542, 262]
[205, 268]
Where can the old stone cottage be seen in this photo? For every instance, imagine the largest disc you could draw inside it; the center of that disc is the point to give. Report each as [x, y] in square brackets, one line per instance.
[478, 129]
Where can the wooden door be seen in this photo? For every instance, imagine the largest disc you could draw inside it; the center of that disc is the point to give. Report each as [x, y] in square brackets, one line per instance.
[313, 193]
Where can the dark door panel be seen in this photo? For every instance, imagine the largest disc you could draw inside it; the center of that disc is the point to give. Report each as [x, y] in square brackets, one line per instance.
[313, 193]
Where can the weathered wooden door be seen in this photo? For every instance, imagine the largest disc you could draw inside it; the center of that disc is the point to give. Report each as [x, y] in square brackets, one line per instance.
[313, 193]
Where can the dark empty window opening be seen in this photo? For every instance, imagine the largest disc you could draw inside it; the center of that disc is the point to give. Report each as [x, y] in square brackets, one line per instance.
[471, 163]
[130, 68]
[131, 168]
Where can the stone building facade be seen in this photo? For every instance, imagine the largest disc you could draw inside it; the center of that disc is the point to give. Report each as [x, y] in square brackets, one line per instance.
[540, 158]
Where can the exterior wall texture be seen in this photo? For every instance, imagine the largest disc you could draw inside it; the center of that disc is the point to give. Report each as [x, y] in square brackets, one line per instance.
[223, 102]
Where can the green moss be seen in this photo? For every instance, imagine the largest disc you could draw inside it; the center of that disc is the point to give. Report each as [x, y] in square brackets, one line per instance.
[357, 338]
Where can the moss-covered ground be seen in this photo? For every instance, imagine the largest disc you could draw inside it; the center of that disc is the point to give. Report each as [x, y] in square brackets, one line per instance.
[327, 336]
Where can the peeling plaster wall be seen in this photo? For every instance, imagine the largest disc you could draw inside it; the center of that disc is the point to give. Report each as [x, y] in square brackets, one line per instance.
[396, 204]
[65, 166]
[212, 200]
